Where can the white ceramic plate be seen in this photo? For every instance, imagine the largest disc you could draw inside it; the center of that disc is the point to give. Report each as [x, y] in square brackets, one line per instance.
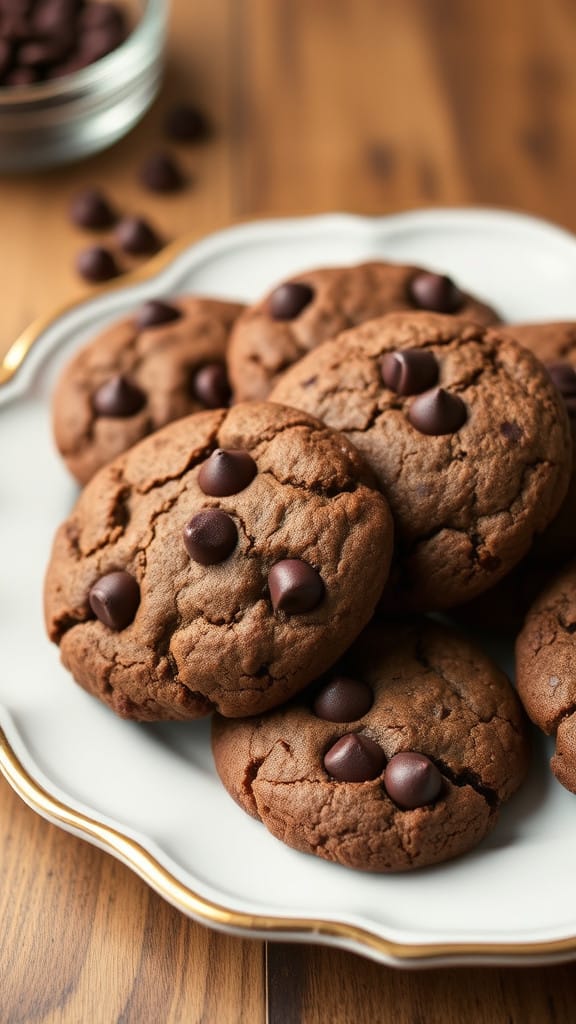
[149, 794]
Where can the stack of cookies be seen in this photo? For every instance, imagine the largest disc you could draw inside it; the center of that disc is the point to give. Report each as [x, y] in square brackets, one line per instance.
[279, 500]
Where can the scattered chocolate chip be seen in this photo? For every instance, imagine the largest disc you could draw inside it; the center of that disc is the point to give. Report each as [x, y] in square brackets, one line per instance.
[91, 209]
[161, 173]
[412, 780]
[343, 700]
[210, 536]
[137, 237]
[114, 599]
[409, 372]
[436, 292]
[354, 758]
[563, 376]
[210, 385]
[227, 471]
[155, 312]
[288, 300]
[295, 586]
[437, 412]
[97, 264]
[118, 397]
[185, 123]
[511, 431]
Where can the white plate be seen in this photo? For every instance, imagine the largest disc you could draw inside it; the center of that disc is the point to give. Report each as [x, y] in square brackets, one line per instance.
[149, 793]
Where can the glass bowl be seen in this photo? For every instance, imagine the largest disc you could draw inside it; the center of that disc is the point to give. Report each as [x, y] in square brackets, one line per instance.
[67, 118]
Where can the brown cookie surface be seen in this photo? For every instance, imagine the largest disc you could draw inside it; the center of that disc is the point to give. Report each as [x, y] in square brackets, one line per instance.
[545, 670]
[467, 436]
[312, 307]
[223, 562]
[165, 361]
[399, 758]
[555, 346]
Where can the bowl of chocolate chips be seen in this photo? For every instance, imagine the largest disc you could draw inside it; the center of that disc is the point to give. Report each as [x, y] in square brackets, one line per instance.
[75, 76]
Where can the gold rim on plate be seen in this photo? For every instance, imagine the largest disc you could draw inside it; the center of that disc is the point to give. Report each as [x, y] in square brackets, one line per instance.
[145, 865]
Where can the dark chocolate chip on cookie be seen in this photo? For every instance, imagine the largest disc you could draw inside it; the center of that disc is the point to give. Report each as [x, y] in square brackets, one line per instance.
[164, 361]
[221, 563]
[400, 758]
[466, 433]
[301, 313]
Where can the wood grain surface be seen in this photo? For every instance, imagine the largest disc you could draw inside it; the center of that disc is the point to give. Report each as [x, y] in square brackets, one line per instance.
[360, 105]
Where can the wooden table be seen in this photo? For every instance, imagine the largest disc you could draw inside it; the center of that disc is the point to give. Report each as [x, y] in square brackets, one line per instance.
[318, 105]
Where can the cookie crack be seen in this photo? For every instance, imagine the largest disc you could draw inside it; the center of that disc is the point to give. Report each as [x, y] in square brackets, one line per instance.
[313, 488]
[64, 624]
[467, 777]
[562, 716]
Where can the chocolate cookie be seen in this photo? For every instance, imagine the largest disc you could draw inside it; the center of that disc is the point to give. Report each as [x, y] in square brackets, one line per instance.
[465, 432]
[317, 305]
[223, 562]
[504, 606]
[165, 361]
[545, 676]
[555, 346]
[399, 758]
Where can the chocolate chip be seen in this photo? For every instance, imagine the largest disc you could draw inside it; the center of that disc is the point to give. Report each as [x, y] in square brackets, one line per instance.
[563, 377]
[354, 758]
[91, 209]
[295, 586]
[412, 780]
[114, 599]
[161, 173]
[343, 700]
[436, 292]
[22, 76]
[102, 15]
[96, 43]
[210, 385]
[15, 27]
[227, 471]
[185, 123]
[38, 52]
[409, 372]
[50, 15]
[5, 56]
[511, 431]
[97, 264]
[288, 300]
[437, 412]
[210, 536]
[137, 237]
[155, 312]
[118, 397]
[56, 37]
